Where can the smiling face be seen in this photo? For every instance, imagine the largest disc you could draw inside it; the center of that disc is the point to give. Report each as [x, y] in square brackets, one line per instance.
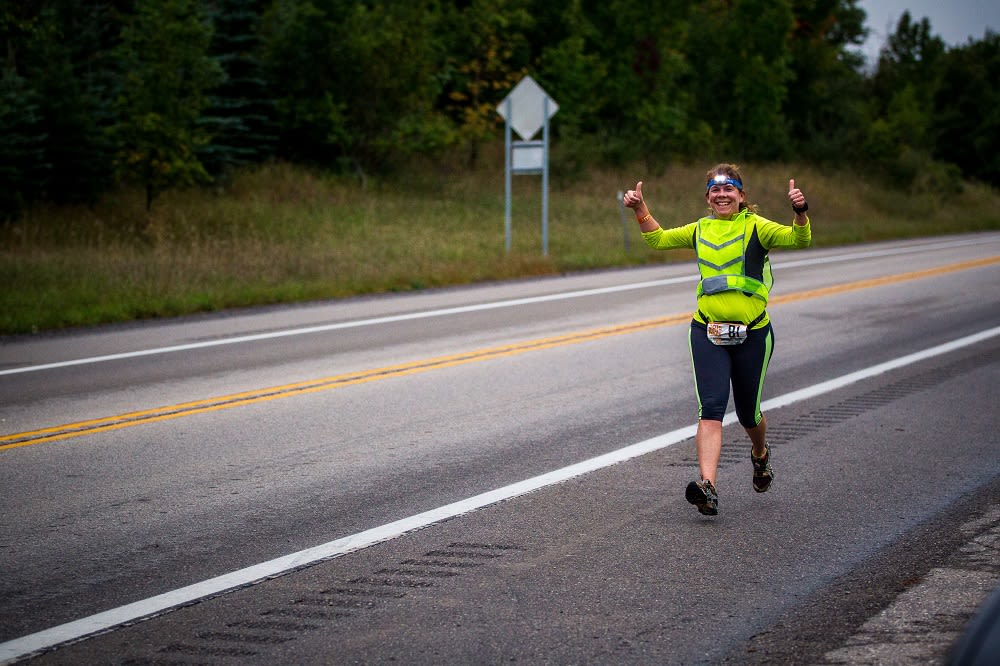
[725, 198]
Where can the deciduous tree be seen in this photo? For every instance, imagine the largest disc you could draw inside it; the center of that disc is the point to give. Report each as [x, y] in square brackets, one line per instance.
[166, 75]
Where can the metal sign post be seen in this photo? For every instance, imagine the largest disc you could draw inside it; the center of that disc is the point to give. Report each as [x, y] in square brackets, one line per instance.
[525, 110]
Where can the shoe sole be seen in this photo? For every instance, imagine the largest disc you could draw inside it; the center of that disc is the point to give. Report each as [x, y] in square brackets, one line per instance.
[762, 478]
[762, 483]
[697, 496]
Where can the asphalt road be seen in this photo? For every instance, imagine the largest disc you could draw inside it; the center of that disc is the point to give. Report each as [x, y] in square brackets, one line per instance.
[496, 474]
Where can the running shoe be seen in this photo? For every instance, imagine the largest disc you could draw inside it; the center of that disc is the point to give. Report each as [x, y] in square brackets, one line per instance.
[702, 494]
[762, 472]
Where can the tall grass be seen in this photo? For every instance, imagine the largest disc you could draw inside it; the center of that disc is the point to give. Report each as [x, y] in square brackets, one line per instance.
[281, 233]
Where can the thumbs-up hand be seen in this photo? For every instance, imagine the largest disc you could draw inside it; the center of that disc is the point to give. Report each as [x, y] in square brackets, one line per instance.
[797, 199]
[633, 198]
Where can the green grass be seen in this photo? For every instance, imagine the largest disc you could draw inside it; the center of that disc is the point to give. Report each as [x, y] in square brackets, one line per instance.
[281, 233]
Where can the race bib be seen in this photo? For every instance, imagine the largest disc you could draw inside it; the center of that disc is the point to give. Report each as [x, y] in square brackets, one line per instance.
[727, 333]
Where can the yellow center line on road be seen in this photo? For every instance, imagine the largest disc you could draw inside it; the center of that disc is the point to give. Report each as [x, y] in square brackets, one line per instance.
[93, 426]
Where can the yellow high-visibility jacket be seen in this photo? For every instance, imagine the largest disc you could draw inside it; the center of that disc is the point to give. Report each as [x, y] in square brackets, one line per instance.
[732, 261]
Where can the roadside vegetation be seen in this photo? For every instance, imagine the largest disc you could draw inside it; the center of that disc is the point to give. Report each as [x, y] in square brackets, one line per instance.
[280, 233]
[163, 157]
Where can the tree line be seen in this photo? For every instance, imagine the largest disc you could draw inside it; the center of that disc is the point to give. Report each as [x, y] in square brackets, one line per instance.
[164, 93]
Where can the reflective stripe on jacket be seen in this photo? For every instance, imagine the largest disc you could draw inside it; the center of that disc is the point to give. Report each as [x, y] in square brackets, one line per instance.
[721, 248]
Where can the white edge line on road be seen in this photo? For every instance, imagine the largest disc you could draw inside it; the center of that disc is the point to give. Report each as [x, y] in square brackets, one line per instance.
[104, 621]
[358, 323]
[456, 310]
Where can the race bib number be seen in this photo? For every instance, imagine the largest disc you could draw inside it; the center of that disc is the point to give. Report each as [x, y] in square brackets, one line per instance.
[727, 333]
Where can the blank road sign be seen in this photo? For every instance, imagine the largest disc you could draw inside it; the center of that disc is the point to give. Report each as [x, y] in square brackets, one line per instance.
[527, 156]
[527, 108]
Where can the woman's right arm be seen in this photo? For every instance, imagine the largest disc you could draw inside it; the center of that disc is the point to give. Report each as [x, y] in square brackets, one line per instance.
[670, 239]
[655, 236]
[633, 199]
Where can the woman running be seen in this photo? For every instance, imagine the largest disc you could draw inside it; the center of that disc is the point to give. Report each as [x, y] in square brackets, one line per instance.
[731, 339]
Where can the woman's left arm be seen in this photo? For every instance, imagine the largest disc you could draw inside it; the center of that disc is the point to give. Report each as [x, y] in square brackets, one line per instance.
[799, 234]
[772, 234]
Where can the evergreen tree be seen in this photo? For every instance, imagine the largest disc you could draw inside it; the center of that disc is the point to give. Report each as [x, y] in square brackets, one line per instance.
[74, 74]
[241, 113]
[23, 170]
[57, 100]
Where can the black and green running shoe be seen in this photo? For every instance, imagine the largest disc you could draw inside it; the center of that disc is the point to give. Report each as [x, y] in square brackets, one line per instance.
[762, 472]
[702, 494]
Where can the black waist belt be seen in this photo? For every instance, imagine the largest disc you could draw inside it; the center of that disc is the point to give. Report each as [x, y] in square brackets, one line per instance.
[756, 321]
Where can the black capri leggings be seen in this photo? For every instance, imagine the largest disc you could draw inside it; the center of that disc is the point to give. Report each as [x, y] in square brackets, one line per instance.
[744, 365]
